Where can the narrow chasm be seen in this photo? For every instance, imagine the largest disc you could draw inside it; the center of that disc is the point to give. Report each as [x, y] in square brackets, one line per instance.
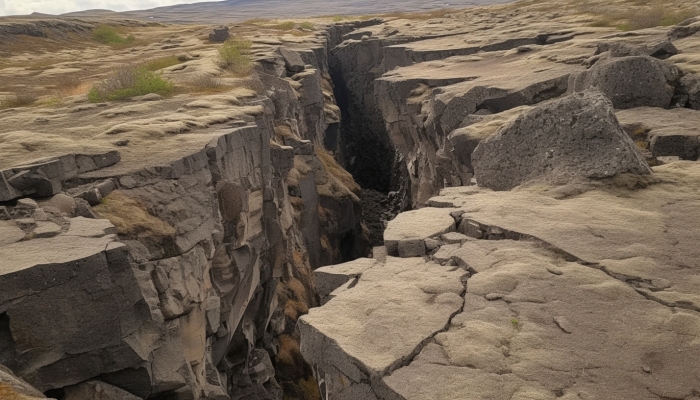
[365, 151]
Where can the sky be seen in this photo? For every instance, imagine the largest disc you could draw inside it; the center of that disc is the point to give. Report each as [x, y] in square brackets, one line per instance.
[21, 7]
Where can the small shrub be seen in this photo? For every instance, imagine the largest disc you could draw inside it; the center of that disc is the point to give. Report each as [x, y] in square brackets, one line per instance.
[306, 25]
[106, 34]
[205, 83]
[235, 54]
[18, 100]
[333, 168]
[284, 26]
[127, 82]
[160, 63]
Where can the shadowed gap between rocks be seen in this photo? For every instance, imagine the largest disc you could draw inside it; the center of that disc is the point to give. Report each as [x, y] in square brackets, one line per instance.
[365, 151]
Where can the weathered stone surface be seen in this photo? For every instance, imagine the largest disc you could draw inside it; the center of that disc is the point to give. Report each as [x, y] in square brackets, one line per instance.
[354, 336]
[14, 388]
[628, 82]
[673, 132]
[405, 235]
[97, 391]
[330, 278]
[292, 60]
[575, 137]
[10, 233]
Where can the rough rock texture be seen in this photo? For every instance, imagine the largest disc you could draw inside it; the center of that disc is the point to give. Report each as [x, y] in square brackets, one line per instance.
[406, 234]
[177, 266]
[353, 338]
[629, 82]
[553, 306]
[219, 35]
[14, 388]
[97, 391]
[575, 137]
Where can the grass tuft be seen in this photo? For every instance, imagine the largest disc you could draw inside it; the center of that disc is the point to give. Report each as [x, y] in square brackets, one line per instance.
[127, 82]
[307, 25]
[284, 26]
[333, 168]
[160, 63]
[235, 54]
[106, 34]
[131, 217]
[18, 100]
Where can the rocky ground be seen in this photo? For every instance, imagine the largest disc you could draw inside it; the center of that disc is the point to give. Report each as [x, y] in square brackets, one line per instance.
[190, 245]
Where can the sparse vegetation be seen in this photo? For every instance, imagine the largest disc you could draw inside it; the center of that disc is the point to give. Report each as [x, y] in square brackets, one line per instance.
[160, 63]
[235, 54]
[284, 26]
[333, 168]
[655, 16]
[204, 83]
[127, 82]
[18, 100]
[106, 34]
[131, 217]
[515, 323]
[306, 25]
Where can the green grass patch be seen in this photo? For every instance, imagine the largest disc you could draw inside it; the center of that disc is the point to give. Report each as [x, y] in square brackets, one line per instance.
[127, 82]
[106, 34]
[235, 55]
[307, 25]
[160, 63]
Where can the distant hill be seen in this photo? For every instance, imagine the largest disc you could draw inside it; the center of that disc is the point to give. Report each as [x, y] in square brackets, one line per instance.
[241, 10]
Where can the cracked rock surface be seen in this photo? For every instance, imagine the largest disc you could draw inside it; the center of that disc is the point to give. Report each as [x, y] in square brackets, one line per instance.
[587, 291]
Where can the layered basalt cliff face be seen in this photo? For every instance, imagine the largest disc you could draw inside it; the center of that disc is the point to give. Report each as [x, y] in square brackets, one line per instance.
[177, 265]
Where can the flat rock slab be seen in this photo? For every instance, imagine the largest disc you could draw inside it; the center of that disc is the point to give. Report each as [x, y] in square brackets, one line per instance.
[372, 328]
[405, 235]
[673, 132]
[88, 227]
[10, 233]
[332, 277]
[537, 327]
[648, 236]
[57, 250]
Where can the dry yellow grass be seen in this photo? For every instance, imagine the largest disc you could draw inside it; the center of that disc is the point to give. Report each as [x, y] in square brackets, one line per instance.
[131, 217]
[8, 393]
[333, 168]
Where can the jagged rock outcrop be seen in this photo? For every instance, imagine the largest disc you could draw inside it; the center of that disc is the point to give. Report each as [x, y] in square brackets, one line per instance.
[181, 275]
[575, 137]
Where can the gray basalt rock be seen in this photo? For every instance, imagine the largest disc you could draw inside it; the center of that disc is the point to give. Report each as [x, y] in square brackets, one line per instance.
[292, 60]
[220, 34]
[97, 391]
[575, 137]
[628, 82]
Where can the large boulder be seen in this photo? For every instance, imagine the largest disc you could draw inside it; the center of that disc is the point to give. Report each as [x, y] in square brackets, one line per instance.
[576, 136]
[219, 34]
[634, 81]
